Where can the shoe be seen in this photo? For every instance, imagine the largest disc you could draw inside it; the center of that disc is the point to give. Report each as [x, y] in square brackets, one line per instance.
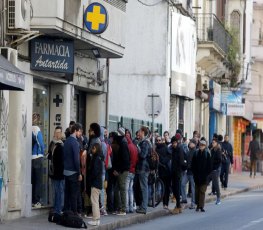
[202, 209]
[184, 201]
[121, 213]
[210, 194]
[37, 205]
[192, 206]
[141, 211]
[175, 211]
[165, 207]
[114, 212]
[94, 222]
[218, 202]
[197, 209]
[103, 212]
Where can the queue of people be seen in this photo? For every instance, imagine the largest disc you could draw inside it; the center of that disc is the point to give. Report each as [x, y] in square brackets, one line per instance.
[103, 173]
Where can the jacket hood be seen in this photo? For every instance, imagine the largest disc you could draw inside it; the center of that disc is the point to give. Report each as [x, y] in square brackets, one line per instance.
[102, 133]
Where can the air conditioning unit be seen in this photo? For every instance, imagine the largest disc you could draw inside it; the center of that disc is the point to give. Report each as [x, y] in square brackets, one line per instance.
[10, 54]
[18, 14]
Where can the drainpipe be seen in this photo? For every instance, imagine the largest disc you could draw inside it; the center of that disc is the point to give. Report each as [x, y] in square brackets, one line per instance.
[107, 93]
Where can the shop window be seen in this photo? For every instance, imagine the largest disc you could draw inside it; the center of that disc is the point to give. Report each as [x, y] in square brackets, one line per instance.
[41, 109]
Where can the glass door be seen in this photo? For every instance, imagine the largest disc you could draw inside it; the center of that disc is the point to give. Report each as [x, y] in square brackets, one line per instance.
[41, 107]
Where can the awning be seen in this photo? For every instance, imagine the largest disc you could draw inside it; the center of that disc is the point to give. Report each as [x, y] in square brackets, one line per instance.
[11, 78]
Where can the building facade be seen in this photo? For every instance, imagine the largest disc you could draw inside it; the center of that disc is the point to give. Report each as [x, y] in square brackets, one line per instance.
[158, 55]
[63, 51]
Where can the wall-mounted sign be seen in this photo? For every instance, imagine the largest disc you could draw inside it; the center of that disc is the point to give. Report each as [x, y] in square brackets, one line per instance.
[52, 55]
[228, 96]
[215, 99]
[96, 18]
[234, 109]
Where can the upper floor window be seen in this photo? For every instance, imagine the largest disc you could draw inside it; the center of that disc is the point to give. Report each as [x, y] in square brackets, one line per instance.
[235, 22]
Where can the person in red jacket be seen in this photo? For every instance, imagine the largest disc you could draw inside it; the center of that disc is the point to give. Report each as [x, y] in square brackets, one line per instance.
[129, 181]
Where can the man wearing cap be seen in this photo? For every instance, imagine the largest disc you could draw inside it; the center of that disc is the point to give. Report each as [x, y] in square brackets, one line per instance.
[188, 176]
[176, 170]
[201, 168]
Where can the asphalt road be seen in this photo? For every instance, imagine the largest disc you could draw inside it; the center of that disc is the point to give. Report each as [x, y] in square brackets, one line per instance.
[239, 212]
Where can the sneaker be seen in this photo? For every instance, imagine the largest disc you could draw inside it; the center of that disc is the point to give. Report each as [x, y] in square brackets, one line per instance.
[37, 205]
[165, 207]
[103, 212]
[121, 213]
[94, 222]
[141, 211]
[218, 202]
[192, 206]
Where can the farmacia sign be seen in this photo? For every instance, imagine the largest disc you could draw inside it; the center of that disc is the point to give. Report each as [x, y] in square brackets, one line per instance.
[52, 55]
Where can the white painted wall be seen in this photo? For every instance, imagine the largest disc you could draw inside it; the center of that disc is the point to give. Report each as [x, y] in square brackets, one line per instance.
[143, 69]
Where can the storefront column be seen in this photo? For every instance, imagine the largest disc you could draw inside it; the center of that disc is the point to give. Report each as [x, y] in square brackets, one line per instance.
[61, 96]
[19, 153]
[4, 112]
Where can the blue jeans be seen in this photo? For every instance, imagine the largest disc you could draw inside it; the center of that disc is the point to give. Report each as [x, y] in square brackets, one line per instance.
[129, 192]
[185, 179]
[58, 194]
[102, 192]
[143, 180]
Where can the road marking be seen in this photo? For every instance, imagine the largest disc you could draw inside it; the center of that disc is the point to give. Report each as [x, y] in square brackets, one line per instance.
[252, 223]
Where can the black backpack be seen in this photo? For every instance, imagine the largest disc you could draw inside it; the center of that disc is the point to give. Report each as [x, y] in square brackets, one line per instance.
[54, 217]
[69, 219]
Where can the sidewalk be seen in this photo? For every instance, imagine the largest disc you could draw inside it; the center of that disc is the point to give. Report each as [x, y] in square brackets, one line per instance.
[238, 183]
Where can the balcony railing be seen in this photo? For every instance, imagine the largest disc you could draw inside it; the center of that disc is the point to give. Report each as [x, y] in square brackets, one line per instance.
[210, 29]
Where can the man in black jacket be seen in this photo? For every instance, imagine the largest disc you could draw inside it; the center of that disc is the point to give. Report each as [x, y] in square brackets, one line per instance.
[176, 171]
[201, 168]
[227, 159]
[216, 156]
[164, 168]
[121, 169]
[56, 168]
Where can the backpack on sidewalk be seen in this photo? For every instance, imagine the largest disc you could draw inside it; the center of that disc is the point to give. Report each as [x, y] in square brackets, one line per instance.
[54, 217]
[69, 219]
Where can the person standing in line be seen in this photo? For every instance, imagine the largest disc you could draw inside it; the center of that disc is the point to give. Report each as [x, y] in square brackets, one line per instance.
[56, 168]
[67, 131]
[166, 138]
[201, 168]
[96, 169]
[72, 172]
[176, 170]
[216, 158]
[130, 178]
[188, 176]
[252, 151]
[227, 159]
[38, 149]
[121, 170]
[164, 168]
[142, 170]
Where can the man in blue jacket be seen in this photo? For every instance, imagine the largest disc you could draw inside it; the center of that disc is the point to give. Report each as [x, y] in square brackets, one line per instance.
[72, 169]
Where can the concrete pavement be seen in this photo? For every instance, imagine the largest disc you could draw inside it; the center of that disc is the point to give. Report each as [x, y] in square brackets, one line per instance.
[238, 183]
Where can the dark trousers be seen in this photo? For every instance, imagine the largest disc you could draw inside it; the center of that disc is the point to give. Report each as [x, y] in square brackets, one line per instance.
[200, 195]
[224, 174]
[253, 166]
[176, 186]
[36, 179]
[167, 184]
[72, 186]
[111, 203]
[214, 177]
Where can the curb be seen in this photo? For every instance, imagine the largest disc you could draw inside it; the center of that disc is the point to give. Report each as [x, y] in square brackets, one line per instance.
[154, 214]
